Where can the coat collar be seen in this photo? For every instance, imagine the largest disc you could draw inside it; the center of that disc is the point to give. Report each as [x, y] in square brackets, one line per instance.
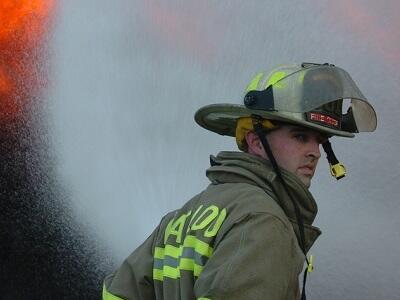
[229, 166]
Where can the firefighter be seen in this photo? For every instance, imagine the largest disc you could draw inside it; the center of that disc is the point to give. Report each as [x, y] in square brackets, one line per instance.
[246, 236]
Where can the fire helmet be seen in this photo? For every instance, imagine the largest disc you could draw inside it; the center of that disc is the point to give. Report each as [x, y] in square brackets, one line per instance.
[308, 94]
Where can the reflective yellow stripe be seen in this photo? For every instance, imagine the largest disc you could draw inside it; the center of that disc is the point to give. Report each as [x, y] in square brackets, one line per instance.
[172, 251]
[108, 296]
[159, 252]
[186, 264]
[197, 270]
[198, 245]
[158, 274]
[253, 85]
[189, 242]
[202, 298]
[274, 78]
[171, 272]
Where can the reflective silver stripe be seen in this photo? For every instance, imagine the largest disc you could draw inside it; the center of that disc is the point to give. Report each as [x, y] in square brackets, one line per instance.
[158, 264]
[174, 262]
[171, 262]
[191, 253]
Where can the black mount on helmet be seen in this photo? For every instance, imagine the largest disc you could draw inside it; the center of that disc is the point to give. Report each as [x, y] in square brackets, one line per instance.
[262, 100]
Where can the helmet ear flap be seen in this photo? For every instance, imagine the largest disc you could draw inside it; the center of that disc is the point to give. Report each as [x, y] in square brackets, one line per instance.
[244, 125]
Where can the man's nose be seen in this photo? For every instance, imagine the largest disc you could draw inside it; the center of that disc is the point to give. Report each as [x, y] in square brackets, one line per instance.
[314, 150]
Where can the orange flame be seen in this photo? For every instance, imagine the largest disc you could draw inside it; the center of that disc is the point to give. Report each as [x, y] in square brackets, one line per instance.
[23, 27]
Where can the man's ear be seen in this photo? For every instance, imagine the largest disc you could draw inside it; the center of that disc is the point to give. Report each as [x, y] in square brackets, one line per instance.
[254, 145]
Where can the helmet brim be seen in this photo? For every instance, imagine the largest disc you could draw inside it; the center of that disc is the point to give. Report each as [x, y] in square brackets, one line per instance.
[222, 119]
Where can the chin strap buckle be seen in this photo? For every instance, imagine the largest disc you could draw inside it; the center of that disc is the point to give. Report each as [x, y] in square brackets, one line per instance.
[337, 169]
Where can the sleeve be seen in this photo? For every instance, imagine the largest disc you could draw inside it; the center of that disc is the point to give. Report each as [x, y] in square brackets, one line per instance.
[133, 280]
[255, 259]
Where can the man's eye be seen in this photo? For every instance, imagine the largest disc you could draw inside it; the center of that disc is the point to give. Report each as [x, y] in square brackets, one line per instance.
[301, 137]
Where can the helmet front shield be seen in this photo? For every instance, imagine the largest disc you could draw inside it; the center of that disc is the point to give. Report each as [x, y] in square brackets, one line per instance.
[311, 88]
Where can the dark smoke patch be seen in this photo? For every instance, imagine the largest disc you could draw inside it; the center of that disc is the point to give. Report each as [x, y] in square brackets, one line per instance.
[45, 253]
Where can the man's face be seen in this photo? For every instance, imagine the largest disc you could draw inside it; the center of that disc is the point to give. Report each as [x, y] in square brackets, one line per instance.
[296, 149]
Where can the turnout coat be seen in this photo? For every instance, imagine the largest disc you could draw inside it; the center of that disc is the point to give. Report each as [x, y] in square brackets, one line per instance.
[238, 239]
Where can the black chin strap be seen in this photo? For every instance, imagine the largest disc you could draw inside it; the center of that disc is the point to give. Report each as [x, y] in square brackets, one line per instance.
[261, 133]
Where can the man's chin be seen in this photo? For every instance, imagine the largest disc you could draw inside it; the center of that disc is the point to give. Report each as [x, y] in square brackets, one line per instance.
[306, 180]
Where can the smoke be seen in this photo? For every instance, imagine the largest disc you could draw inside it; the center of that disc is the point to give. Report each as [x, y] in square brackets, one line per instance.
[372, 26]
[45, 252]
